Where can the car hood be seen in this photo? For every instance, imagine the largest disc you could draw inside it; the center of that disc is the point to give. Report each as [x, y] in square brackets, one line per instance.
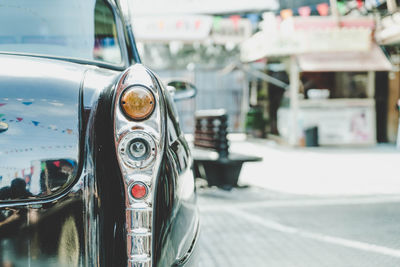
[40, 109]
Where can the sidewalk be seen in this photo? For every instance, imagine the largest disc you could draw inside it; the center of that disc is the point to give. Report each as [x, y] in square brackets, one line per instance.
[319, 171]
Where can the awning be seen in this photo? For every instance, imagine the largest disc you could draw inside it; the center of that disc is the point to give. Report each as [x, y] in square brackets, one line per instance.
[298, 35]
[373, 60]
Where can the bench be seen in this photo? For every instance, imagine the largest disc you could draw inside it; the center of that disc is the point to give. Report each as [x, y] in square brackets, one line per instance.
[212, 160]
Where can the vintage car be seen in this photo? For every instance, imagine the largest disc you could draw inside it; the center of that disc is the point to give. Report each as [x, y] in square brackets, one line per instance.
[94, 169]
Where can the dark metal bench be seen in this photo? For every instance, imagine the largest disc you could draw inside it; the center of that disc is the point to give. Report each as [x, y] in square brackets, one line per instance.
[212, 159]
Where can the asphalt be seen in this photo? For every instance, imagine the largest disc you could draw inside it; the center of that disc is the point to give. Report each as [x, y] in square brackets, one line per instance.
[305, 207]
[259, 227]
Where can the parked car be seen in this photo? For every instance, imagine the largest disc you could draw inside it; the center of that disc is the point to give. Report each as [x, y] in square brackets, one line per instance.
[94, 169]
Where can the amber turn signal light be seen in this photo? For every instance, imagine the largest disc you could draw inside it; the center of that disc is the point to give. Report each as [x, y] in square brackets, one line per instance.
[137, 102]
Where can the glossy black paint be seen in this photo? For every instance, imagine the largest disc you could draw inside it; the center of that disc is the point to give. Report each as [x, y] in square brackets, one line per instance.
[38, 222]
[81, 220]
[111, 200]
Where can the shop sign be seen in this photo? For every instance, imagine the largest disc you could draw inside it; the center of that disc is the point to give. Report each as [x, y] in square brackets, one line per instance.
[231, 30]
[186, 28]
[279, 43]
[337, 125]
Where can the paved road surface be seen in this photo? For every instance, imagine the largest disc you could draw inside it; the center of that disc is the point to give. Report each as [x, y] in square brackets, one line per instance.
[257, 227]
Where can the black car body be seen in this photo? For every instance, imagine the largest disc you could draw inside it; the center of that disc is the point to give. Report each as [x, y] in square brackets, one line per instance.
[83, 183]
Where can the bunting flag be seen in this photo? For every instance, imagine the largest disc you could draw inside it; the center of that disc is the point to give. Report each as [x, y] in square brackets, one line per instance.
[20, 120]
[197, 24]
[359, 4]
[43, 166]
[286, 13]
[341, 8]
[28, 102]
[235, 19]
[323, 9]
[179, 24]
[36, 149]
[56, 163]
[57, 104]
[304, 11]
[254, 19]
[70, 162]
[217, 22]
[161, 25]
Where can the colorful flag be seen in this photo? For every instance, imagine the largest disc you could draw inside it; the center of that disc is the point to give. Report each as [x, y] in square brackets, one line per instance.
[43, 166]
[304, 11]
[323, 9]
[179, 24]
[286, 13]
[197, 24]
[254, 19]
[235, 19]
[342, 8]
[217, 22]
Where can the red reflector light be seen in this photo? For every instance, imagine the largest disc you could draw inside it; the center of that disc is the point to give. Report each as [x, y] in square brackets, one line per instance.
[139, 190]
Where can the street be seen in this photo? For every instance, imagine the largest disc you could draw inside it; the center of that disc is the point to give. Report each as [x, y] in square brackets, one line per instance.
[297, 208]
[256, 227]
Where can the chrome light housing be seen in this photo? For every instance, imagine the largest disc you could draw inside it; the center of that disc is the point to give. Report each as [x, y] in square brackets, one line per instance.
[139, 132]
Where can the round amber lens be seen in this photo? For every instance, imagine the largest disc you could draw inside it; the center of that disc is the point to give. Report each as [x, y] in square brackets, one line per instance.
[137, 103]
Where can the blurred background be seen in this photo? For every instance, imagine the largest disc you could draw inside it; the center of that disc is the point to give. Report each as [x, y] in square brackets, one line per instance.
[294, 126]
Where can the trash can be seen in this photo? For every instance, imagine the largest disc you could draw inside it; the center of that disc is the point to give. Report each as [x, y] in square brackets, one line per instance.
[311, 136]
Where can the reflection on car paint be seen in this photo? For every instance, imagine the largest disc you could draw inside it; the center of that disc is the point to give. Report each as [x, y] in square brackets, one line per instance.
[39, 150]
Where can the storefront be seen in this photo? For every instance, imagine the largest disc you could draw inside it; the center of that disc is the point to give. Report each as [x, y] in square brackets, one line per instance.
[331, 65]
